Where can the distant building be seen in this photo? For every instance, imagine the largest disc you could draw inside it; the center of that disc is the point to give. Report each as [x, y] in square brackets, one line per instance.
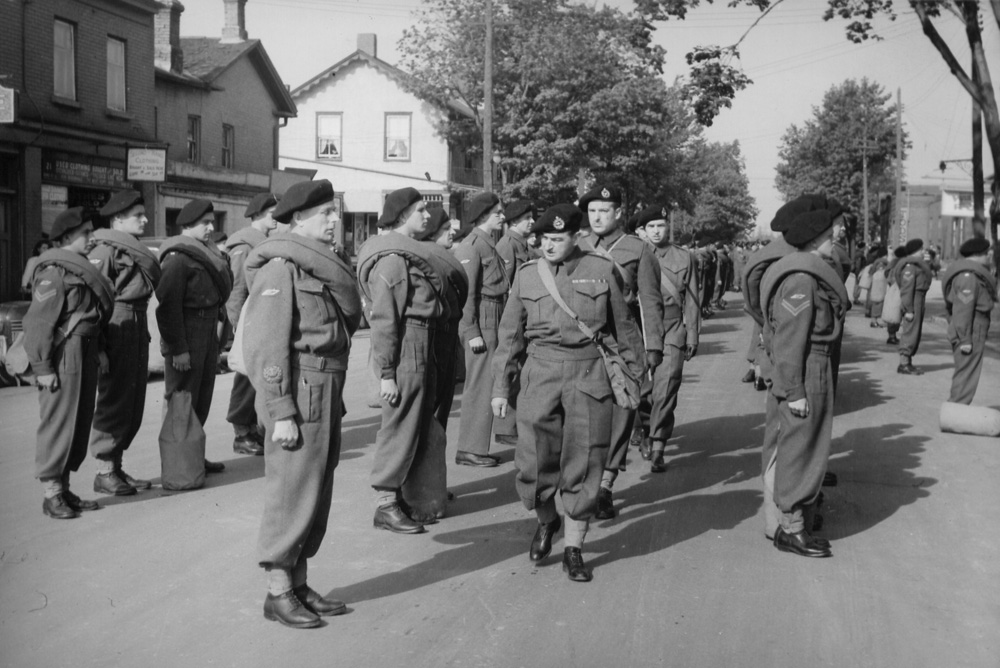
[219, 105]
[358, 127]
[84, 94]
[941, 215]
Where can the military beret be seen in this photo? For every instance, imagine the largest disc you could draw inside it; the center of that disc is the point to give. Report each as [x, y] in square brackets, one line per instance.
[259, 204]
[193, 211]
[632, 223]
[121, 201]
[807, 226]
[651, 213]
[974, 246]
[439, 218]
[802, 204]
[899, 252]
[396, 203]
[914, 245]
[67, 221]
[302, 195]
[834, 207]
[478, 206]
[558, 218]
[518, 208]
[601, 193]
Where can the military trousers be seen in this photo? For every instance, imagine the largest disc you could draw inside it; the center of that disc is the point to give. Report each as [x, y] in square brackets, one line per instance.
[121, 393]
[446, 343]
[405, 427]
[242, 400]
[477, 422]
[203, 347]
[563, 429]
[755, 348]
[911, 330]
[67, 412]
[968, 368]
[298, 482]
[666, 385]
[802, 445]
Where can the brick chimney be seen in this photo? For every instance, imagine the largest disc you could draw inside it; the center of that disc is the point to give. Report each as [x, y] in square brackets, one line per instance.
[368, 42]
[235, 28]
[167, 36]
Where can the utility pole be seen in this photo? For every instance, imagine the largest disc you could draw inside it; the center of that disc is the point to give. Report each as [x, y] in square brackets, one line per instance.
[672, 225]
[488, 103]
[899, 167]
[864, 188]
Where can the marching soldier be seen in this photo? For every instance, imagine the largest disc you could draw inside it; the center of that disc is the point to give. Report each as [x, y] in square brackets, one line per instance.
[803, 301]
[487, 294]
[681, 322]
[564, 425]
[194, 286]
[70, 303]
[914, 278]
[302, 309]
[404, 292]
[970, 291]
[121, 393]
[242, 415]
[640, 272]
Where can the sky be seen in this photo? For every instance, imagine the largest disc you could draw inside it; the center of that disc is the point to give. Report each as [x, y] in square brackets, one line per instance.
[792, 56]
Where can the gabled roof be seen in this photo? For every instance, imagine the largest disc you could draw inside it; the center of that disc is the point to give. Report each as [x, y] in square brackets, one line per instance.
[207, 58]
[390, 71]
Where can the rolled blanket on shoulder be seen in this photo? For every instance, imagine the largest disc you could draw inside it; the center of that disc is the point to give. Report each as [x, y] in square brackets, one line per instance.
[80, 266]
[206, 256]
[415, 253]
[145, 258]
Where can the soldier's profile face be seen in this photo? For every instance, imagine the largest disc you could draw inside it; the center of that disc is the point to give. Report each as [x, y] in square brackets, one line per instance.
[319, 222]
[656, 231]
[201, 230]
[270, 224]
[603, 216]
[557, 246]
[132, 221]
[79, 240]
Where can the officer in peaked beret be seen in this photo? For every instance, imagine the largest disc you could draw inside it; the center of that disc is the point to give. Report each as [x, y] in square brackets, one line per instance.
[970, 291]
[564, 417]
[914, 276]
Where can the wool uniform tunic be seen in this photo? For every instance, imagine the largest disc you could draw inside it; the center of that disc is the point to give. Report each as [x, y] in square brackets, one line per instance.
[242, 397]
[121, 393]
[297, 344]
[970, 293]
[914, 278]
[640, 272]
[59, 296]
[564, 425]
[488, 288]
[514, 250]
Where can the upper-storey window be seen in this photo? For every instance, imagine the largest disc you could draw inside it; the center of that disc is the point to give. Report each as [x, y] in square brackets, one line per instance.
[194, 139]
[397, 136]
[64, 59]
[228, 145]
[116, 74]
[329, 135]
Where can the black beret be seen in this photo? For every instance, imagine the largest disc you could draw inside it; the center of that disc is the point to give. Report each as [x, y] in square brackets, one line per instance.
[518, 208]
[478, 206]
[914, 245]
[558, 218]
[651, 213]
[802, 204]
[259, 204]
[899, 252]
[193, 211]
[302, 195]
[601, 193]
[67, 221]
[974, 246]
[632, 223]
[439, 218]
[396, 203]
[834, 207]
[121, 201]
[807, 226]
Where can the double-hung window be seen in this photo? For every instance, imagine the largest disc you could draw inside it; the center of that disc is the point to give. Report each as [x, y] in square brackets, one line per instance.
[329, 135]
[228, 145]
[397, 137]
[64, 60]
[116, 74]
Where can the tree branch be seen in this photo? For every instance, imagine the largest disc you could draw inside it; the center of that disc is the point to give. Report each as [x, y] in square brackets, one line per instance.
[761, 18]
[949, 58]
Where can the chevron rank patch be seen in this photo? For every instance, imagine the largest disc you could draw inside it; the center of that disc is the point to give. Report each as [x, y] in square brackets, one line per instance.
[41, 296]
[965, 296]
[796, 303]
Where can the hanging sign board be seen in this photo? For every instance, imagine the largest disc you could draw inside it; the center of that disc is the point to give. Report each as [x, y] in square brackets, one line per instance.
[147, 164]
[8, 110]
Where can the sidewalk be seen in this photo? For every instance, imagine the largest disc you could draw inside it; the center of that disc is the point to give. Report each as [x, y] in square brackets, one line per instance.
[683, 577]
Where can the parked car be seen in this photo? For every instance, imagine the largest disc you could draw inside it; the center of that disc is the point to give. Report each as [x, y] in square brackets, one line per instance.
[11, 323]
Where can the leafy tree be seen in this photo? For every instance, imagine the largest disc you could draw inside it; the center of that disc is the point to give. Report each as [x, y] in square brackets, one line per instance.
[827, 152]
[723, 210]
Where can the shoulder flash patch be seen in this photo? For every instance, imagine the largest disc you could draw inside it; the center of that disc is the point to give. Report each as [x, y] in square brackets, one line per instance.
[270, 292]
[95, 261]
[466, 261]
[273, 374]
[45, 282]
[238, 251]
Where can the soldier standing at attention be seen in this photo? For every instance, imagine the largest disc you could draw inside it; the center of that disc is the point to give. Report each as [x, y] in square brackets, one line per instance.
[914, 278]
[70, 304]
[404, 292]
[803, 301]
[564, 425]
[890, 275]
[121, 393]
[242, 415]
[513, 248]
[487, 294]
[302, 309]
[970, 291]
[640, 273]
[681, 322]
[194, 286]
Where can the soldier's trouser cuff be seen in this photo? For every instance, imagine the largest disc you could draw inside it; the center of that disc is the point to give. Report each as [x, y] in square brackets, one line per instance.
[793, 522]
[575, 532]
[546, 511]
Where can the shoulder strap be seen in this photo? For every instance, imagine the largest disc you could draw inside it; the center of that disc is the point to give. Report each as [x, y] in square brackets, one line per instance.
[549, 281]
[668, 286]
[622, 271]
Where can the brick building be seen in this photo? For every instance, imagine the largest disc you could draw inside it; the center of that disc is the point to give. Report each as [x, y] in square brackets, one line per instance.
[84, 93]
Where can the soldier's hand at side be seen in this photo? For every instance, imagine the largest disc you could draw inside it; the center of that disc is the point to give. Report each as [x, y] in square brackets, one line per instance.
[654, 358]
[286, 434]
[181, 362]
[799, 407]
[477, 345]
[966, 348]
[389, 391]
[49, 381]
[689, 352]
[909, 317]
[499, 405]
[103, 364]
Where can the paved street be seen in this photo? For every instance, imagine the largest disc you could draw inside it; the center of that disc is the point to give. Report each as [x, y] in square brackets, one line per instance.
[683, 577]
